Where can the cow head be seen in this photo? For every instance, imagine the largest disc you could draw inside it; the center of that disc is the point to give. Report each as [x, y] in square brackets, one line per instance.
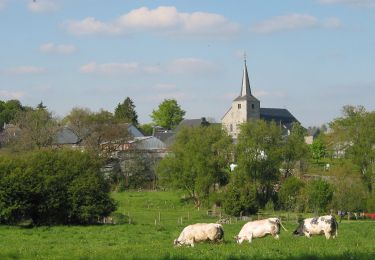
[299, 230]
[237, 239]
[176, 242]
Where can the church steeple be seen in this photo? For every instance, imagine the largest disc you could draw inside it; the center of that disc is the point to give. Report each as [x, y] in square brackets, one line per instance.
[245, 89]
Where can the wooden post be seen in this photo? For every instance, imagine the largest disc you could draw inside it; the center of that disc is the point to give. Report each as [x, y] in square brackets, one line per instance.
[181, 220]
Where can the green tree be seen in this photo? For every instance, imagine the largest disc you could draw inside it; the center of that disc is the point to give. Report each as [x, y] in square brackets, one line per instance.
[9, 110]
[295, 149]
[319, 194]
[289, 193]
[240, 199]
[53, 187]
[199, 159]
[168, 115]
[318, 148]
[146, 129]
[259, 156]
[355, 133]
[125, 112]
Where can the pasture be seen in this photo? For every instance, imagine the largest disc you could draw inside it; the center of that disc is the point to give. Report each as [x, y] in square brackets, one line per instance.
[148, 238]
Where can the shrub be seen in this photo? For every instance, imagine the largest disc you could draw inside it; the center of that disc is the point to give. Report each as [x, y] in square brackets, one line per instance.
[241, 200]
[319, 195]
[53, 187]
[289, 193]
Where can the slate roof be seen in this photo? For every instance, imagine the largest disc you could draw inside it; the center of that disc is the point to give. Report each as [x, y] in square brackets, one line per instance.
[66, 136]
[280, 115]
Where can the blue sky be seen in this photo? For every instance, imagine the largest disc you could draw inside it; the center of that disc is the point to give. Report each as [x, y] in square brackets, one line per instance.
[311, 57]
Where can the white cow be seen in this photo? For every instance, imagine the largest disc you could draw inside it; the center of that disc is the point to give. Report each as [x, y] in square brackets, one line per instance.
[200, 232]
[326, 225]
[259, 228]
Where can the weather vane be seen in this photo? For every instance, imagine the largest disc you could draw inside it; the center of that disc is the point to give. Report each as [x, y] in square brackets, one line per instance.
[244, 56]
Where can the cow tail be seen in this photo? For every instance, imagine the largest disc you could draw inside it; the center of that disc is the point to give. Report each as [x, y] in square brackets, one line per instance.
[282, 225]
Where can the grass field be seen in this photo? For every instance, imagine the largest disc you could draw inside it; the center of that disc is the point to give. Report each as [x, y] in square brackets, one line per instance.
[142, 239]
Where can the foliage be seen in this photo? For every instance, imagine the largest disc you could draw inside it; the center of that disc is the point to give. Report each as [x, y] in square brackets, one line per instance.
[8, 111]
[241, 200]
[136, 170]
[318, 148]
[99, 131]
[53, 187]
[146, 129]
[125, 112]
[318, 195]
[168, 115]
[355, 132]
[295, 149]
[259, 157]
[37, 129]
[198, 160]
[289, 193]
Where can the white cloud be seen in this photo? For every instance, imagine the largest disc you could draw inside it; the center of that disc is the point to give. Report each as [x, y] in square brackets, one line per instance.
[57, 48]
[42, 6]
[116, 68]
[3, 3]
[293, 22]
[6, 95]
[285, 22]
[178, 66]
[24, 70]
[331, 23]
[89, 26]
[191, 65]
[363, 3]
[163, 19]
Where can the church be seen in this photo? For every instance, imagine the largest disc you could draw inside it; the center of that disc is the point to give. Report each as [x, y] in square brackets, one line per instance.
[246, 107]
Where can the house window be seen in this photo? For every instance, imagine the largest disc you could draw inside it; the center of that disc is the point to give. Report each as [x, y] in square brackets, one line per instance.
[252, 106]
[239, 106]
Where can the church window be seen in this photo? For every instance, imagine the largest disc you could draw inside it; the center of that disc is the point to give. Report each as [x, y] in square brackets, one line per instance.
[252, 106]
[231, 128]
[239, 106]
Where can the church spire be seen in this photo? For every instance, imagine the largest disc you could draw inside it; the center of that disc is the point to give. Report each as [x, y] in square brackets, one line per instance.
[245, 89]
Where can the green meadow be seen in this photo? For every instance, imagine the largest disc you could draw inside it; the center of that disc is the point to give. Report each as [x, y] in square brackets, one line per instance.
[157, 218]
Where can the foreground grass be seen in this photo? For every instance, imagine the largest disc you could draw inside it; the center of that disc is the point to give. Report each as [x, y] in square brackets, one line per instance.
[142, 239]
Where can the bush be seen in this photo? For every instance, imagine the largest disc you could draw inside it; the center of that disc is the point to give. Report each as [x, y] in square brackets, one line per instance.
[319, 195]
[53, 187]
[241, 200]
[289, 193]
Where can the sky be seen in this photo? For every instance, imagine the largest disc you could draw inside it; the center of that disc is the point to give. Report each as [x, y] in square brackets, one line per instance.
[309, 56]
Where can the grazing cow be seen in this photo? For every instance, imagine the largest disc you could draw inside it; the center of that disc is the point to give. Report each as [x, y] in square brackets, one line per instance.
[259, 228]
[326, 225]
[200, 232]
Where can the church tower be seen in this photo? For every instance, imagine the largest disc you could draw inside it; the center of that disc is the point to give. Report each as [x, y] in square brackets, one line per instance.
[244, 108]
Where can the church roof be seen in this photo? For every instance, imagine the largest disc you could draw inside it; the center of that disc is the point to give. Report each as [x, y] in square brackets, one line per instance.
[277, 114]
[245, 89]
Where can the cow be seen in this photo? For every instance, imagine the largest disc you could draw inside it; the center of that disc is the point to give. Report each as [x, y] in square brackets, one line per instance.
[326, 225]
[259, 228]
[200, 232]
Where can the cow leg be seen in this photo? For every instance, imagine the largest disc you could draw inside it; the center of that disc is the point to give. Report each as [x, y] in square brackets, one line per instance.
[250, 237]
[327, 234]
[276, 236]
[307, 234]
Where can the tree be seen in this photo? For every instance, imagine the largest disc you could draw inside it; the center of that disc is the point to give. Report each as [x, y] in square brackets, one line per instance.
[355, 132]
[199, 159]
[295, 148]
[318, 195]
[146, 129]
[99, 131]
[37, 129]
[125, 112]
[318, 148]
[289, 192]
[53, 187]
[168, 115]
[259, 157]
[9, 110]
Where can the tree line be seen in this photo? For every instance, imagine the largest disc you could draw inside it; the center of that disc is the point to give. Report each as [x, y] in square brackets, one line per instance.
[274, 171]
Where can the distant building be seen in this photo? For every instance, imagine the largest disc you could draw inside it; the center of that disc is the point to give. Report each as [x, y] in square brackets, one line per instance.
[246, 107]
